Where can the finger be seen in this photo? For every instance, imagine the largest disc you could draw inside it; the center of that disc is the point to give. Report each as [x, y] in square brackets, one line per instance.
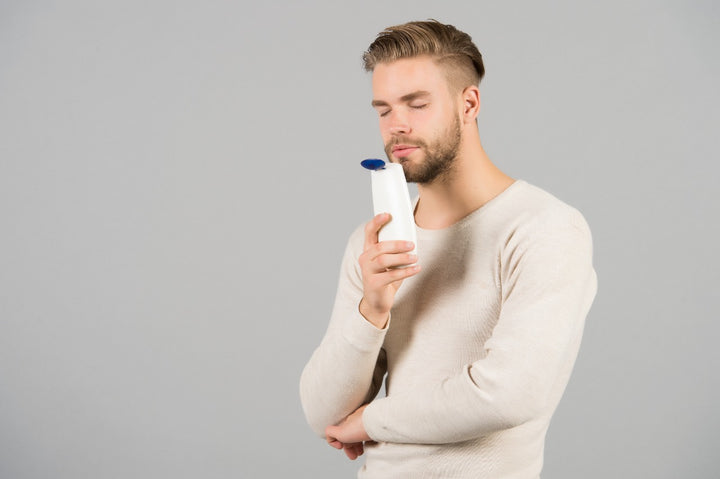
[372, 228]
[331, 439]
[334, 442]
[350, 452]
[372, 259]
[390, 247]
[392, 275]
[353, 451]
[387, 261]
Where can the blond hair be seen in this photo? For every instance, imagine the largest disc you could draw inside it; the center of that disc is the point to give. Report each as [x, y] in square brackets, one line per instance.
[444, 43]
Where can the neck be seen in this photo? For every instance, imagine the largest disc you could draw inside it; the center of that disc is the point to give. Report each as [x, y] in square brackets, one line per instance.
[473, 181]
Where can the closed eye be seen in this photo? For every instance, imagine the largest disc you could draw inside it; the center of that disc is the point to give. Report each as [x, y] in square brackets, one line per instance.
[419, 107]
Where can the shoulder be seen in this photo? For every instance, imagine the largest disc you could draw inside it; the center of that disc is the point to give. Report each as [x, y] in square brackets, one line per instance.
[531, 210]
[534, 225]
[545, 241]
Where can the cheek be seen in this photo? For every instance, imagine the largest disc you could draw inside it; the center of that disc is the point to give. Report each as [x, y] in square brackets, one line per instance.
[430, 119]
[442, 117]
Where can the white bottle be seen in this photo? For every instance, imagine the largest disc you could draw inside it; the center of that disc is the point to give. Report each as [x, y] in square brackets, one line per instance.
[390, 195]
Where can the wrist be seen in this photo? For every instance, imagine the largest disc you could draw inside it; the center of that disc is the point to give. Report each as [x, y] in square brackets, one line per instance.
[379, 319]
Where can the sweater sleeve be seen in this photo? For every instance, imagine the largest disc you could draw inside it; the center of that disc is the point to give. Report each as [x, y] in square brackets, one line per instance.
[548, 284]
[347, 368]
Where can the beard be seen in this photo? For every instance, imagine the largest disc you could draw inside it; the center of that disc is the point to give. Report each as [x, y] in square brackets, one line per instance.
[440, 154]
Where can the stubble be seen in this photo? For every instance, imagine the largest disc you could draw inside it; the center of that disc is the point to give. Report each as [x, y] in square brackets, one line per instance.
[440, 155]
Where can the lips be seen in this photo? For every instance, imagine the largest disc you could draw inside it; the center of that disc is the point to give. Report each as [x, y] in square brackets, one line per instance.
[401, 151]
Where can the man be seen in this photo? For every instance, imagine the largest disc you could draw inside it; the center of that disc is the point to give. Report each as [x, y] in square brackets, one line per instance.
[478, 339]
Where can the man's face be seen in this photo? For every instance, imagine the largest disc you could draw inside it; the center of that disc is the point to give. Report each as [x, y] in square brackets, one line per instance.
[418, 116]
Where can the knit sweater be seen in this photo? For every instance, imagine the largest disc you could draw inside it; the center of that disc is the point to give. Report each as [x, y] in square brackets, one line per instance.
[478, 350]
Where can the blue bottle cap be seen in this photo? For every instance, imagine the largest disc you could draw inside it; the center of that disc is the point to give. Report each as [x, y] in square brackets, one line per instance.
[373, 164]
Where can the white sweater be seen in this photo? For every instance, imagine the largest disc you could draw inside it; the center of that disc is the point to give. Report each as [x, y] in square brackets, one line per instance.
[478, 350]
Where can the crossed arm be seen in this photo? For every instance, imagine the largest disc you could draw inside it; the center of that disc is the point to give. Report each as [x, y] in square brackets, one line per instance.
[549, 286]
[349, 356]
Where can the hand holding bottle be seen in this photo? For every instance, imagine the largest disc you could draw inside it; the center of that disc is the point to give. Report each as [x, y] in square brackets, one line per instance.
[382, 273]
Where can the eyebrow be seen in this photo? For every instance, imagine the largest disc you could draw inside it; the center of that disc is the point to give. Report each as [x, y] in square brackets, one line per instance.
[405, 98]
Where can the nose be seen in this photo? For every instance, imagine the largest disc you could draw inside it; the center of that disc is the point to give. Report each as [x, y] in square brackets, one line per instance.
[398, 124]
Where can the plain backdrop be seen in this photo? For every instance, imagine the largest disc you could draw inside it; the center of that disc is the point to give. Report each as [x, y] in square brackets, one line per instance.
[178, 180]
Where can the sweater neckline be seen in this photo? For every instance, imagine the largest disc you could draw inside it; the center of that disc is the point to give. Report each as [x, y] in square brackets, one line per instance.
[493, 204]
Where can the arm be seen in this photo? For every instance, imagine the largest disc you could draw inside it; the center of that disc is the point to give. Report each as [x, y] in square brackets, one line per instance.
[346, 370]
[341, 373]
[548, 284]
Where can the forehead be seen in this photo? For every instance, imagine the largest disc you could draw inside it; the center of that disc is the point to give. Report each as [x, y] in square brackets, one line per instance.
[392, 80]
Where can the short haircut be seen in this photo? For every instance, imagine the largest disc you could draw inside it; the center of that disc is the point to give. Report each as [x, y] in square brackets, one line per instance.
[444, 43]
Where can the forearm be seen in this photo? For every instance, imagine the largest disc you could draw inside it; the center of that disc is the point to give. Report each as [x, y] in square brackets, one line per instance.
[549, 287]
[341, 374]
[460, 408]
[502, 391]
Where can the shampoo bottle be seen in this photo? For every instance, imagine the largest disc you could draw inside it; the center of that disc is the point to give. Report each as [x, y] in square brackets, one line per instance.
[390, 195]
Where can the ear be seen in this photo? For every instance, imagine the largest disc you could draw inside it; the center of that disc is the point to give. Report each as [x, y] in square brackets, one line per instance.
[471, 103]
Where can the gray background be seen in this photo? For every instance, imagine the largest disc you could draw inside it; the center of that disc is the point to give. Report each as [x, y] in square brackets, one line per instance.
[178, 180]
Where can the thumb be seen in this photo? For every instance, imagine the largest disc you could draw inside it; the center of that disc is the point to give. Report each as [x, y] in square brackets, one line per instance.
[331, 437]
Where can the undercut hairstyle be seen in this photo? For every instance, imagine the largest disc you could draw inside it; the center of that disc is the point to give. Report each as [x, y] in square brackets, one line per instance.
[445, 44]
